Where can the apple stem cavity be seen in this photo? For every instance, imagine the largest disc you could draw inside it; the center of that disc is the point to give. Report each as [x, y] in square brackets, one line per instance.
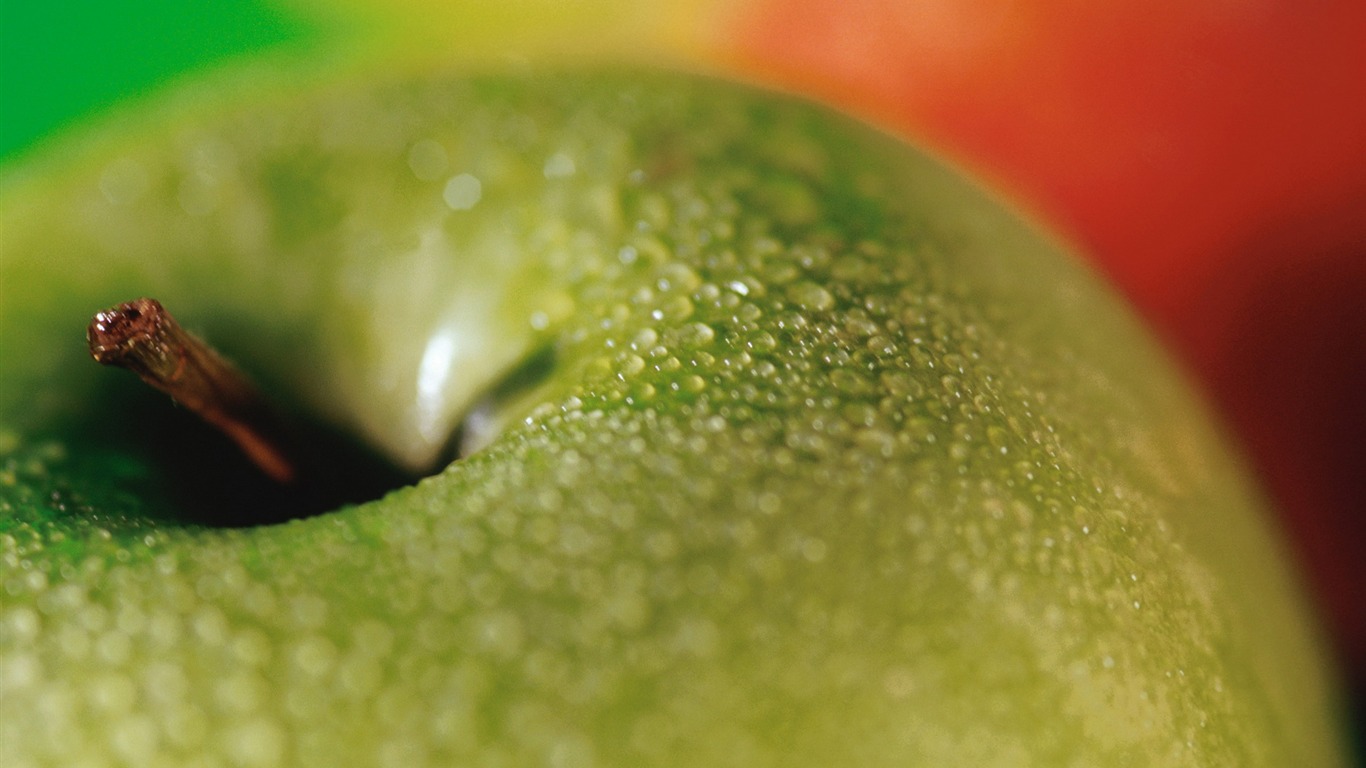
[141, 336]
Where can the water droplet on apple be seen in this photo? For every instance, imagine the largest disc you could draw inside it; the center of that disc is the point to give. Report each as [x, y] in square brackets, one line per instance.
[850, 382]
[710, 294]
[677, 276]
[781, 273]
[811, 296]
[314, 656]
[645, 340]
[558, 166]
[134, 738]
[763, 342]
[674, 310]
[882, 345]
[693, 334]
[257, 743]
[427, 160]
[462, 192]
[124, 181]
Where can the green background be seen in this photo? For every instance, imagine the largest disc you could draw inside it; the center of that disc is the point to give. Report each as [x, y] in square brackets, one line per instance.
[60, 62]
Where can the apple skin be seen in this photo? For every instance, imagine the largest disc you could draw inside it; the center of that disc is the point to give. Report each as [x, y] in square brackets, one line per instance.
[835, 460]
[1208, 158]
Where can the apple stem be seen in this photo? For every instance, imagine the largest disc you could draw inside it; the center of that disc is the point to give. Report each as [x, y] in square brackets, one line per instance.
[142, 336]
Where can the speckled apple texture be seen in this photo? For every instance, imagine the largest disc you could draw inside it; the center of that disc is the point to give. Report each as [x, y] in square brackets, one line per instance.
[837, 461]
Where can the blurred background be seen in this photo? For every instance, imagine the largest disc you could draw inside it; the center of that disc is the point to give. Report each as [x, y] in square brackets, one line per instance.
[1209, 156]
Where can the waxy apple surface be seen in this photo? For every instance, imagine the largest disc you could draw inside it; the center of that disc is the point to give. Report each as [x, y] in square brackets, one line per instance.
[793, 448]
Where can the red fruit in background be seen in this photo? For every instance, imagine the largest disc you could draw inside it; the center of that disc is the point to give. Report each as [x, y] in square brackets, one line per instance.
[1209, 154]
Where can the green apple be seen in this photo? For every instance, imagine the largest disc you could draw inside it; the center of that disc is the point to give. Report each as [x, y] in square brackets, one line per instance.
[782, 443]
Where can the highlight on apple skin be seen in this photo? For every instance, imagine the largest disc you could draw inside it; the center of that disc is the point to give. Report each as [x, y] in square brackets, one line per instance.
[793, 448]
